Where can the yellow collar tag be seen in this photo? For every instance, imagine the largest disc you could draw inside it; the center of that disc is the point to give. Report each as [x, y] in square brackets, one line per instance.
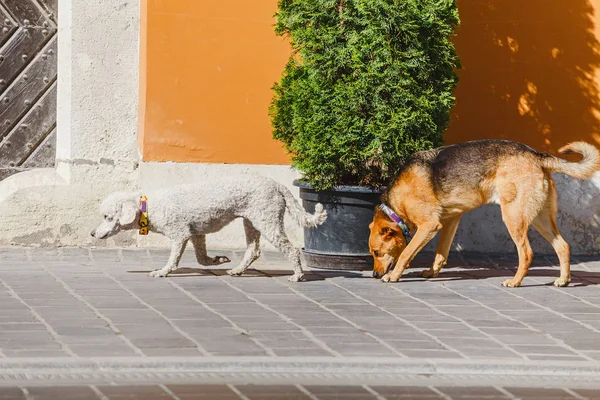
[144, 215]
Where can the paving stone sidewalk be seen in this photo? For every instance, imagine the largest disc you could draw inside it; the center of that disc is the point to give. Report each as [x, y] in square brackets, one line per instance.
[289, 392]
[73, 303]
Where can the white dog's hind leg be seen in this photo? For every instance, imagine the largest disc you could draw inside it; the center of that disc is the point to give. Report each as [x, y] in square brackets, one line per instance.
[252, 251]
[276, 235]
[199, 242]
[177, 248]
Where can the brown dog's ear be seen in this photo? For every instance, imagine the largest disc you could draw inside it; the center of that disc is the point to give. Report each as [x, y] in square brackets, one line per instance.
[389, 230]
[129, 213]
[386, 231]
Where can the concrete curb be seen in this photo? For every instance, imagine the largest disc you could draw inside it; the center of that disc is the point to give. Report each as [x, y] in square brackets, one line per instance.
[309, 370]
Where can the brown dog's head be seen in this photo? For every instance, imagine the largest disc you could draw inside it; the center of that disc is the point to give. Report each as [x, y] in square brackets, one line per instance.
[386, 242]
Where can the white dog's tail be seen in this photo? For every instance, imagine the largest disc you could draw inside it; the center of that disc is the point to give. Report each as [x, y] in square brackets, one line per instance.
[303, 218]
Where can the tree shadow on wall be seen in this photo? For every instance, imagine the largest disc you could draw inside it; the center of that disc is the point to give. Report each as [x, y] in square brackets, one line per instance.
[528, 72]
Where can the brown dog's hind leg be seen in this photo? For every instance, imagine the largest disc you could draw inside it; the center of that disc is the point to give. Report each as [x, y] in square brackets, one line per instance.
[447, 233]
[545, 223]
[424, 234]
[515, 221]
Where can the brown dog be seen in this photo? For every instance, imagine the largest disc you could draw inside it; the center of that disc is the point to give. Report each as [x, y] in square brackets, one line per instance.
[434, 188]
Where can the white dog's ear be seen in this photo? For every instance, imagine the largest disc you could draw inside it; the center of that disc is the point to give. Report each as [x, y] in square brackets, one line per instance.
[129, 213]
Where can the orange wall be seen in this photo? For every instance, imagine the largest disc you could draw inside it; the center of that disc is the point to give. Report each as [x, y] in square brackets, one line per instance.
[207, 72]
[530, 74]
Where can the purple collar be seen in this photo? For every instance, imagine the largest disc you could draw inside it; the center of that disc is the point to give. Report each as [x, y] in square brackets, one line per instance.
[405, 229]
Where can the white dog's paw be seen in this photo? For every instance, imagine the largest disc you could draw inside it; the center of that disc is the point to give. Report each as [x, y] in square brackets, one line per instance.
[235, 272]
[218, 260]
[158, 273]
[296, 278]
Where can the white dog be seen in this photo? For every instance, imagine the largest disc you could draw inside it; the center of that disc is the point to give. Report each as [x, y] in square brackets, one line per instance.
[187, 212]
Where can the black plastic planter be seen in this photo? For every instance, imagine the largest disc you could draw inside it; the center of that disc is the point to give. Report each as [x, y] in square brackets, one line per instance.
[342, 242]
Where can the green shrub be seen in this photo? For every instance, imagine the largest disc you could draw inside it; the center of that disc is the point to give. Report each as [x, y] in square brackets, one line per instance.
[369, 83]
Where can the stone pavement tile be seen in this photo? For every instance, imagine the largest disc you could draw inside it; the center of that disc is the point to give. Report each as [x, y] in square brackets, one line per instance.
[245, 311]
[296, 352]
[432, 354]
[361, 349]
[164, 342]
[134, 392]
[330, 322]
[274, 392]
[594, 355]
[460, 343]
[99, 350]
[339, 392]
[201, 326]
[534, 349]
[558, 357]
[525, 337]
[34, 353]
[415, 344]
[395, 334]
[11, 393]
[203, 392]
[61, 393]
[456, 333]
[22, 327]
[431, 327]
[540, 393]
[591, 394]
[105, 255]
[406, 392]
[290, 343]
[55, 312]
[472, 392]
[172, 352]
[145, 330]
[240, 345]
[30, 345]
[478, 353]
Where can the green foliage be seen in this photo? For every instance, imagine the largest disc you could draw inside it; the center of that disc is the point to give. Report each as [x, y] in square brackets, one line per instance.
[370, 82]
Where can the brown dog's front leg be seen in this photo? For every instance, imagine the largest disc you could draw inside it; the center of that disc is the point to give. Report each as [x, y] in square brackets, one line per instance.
[424, 234]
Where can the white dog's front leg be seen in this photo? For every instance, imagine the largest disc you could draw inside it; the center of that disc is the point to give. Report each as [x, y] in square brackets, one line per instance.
[177, 248]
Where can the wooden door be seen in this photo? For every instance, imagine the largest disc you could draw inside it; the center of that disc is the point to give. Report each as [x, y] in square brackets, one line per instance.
[28, 64]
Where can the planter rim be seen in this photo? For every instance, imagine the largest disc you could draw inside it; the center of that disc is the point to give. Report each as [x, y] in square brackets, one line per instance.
[350, 189]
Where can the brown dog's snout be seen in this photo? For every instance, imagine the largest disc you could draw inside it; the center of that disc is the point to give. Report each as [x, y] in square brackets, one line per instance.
[375, 274]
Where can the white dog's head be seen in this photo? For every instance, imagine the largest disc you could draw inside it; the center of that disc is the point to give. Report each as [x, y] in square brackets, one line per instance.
[119, 211]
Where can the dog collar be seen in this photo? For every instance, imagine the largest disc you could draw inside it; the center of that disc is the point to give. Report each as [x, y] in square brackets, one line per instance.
[405, 229]
[144, 215]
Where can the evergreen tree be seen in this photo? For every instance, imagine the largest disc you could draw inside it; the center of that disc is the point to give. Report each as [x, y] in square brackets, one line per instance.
[369, 83]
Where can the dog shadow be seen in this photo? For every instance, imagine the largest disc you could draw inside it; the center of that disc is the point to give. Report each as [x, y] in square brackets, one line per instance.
[506, 267]
[309, 276]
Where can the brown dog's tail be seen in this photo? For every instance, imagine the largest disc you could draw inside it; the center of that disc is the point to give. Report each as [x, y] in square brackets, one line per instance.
[584, 169]
[303, 218]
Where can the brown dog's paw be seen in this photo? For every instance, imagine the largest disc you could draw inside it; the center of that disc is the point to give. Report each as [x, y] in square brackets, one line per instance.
[390, 278]
[429, 273]
[511, 283]
[561, 282]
